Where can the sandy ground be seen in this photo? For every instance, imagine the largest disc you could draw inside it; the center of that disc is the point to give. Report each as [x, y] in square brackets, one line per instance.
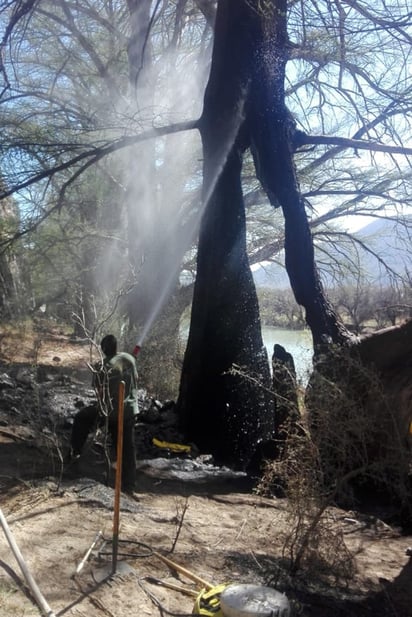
[220, 537]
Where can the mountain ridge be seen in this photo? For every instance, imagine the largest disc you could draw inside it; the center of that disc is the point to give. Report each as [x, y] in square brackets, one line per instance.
[388, 242]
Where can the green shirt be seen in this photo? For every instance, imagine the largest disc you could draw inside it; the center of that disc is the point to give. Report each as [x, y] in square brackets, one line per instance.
[121, 367]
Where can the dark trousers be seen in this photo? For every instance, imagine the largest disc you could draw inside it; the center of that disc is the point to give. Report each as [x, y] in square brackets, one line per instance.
[88, 419]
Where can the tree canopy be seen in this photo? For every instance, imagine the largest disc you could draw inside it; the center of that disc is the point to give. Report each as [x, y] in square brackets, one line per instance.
[69, 101]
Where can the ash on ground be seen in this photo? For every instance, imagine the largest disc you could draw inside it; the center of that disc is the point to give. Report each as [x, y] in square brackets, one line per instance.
[37, 407]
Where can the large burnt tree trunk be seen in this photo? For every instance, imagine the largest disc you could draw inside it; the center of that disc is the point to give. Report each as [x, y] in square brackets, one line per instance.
[244, 107]
[225, 413]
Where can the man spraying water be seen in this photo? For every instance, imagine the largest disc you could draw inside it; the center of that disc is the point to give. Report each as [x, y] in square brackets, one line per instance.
[114, 368]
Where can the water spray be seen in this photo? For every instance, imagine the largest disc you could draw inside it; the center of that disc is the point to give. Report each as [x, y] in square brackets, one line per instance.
[155, 311]
[207, 194]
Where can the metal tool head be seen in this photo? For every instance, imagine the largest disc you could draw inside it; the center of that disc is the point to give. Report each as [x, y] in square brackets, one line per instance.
[105, 572]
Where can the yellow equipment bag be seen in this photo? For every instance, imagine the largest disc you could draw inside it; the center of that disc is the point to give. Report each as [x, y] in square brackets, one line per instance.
[208, 602]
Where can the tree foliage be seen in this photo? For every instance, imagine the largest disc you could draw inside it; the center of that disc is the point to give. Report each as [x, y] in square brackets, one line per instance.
[71, 105]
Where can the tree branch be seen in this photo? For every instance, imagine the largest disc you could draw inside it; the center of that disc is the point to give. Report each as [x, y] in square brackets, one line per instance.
[96, 154]
[347, 142]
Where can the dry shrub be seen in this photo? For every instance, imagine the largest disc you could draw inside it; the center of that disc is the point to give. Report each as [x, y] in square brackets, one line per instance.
[314, 543]
[356, 430]
[347, 446]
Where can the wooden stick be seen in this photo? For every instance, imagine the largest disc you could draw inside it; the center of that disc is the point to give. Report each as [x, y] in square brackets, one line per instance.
[41, 602]
[118, 481]
[184, 571]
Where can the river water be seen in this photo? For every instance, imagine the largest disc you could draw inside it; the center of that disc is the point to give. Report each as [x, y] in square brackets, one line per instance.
[296, 342]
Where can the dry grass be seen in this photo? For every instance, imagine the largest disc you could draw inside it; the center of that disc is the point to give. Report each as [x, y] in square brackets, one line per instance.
[348, 447]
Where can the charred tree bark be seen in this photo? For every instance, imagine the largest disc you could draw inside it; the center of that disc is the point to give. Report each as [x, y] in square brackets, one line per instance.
[286, 394]
[224, 412]
[273, 137]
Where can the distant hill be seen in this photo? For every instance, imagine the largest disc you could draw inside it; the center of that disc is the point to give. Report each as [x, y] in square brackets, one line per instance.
[392, 242]
[384, 238]
[271, 275]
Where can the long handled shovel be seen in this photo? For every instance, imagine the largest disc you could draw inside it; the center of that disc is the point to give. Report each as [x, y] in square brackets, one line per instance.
[102, 573]
[118, 480]
[178, 568]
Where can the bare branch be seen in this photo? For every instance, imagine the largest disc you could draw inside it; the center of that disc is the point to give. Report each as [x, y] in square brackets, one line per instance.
[96, 154]
[356, 144]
